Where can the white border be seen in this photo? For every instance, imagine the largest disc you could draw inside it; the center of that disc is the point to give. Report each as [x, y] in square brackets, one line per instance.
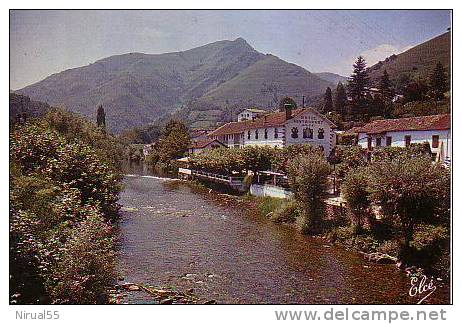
[215, 313]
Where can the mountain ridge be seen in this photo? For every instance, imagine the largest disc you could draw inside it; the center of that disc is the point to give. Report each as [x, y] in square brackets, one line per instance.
[138, 88]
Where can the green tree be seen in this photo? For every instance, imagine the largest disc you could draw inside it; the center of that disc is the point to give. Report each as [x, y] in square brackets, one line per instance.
[386, 93]
[328, 104]
[172, 144]
[357, 88]
[308, 179]
[287, 100]
[100, 117]
[410, 191]
[340, 99]
[355, 192]
[438, 82]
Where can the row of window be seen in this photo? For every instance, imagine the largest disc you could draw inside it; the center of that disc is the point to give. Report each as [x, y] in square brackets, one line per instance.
[265, 134]
[307, 133]
[407, 141]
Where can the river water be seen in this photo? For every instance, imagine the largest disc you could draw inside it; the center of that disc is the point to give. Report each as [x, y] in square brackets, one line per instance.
[175, 235]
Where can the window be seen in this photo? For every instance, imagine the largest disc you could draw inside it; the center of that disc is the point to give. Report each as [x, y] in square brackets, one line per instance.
[388, 141]
[256, 134]
[294, 132]
[266, 133]
[310, 133]
[321, 133]
[435, 141]
[276, 135]
[407, 140]
[378, 142]
[248, 134]
[369, 143]
[305, 132]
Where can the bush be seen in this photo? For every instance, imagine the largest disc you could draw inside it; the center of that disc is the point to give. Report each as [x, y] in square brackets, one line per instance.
[286, 213]
[62, 195]
[411, 190]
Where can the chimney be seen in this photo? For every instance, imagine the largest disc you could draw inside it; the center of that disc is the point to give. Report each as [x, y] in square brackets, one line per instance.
[288, 108]
[303, 102]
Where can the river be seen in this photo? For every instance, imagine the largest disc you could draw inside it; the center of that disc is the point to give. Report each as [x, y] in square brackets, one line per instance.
[175, 235]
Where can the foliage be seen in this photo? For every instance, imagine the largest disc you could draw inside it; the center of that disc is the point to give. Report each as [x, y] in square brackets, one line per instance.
[340, 99]
[355, 192]
[328, 104]
[143, 135]
[75, 128]
[412, 191]
[438, 82]
[100, 117]
[62, 196]
[282, 157]
[389, 153]
[357, 87]
[286, 212]
[287, 100]
[347, 158]
[172, 145]
[308, 180]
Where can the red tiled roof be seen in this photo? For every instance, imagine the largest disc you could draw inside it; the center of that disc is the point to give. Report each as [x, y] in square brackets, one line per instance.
[434, 122]
[269, 120]
[203, 143]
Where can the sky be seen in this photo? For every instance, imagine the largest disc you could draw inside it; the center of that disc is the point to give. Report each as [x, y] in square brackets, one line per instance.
[46, 42]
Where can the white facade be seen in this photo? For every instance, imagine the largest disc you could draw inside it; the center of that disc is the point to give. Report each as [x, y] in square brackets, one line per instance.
[439, 140]
[249, 114]
[305, 127]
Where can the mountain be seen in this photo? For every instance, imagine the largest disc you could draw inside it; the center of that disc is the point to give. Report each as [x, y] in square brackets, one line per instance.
[202, 84]
[419, 61]
[332, 77]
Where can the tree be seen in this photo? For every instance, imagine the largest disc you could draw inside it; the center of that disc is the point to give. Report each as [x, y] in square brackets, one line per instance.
[410, 190]
[438, 82]
[357, 87]
[340, 99]
[101, 117]
[386, 93]
[308, 180]
[355, 192]
[287, 100]
[172, 144]
[328, 105]
[416, 91]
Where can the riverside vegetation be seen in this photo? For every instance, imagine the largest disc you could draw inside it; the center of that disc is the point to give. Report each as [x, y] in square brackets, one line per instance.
[64, 188]
[397, 204]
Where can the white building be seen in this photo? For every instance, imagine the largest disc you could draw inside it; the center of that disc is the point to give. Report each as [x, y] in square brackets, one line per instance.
[280, 129]
[250, 114]
[436, 130]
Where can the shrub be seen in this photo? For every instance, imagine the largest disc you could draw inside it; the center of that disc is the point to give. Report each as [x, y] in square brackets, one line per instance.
[412, 190]
[286, 213]
[62, 193]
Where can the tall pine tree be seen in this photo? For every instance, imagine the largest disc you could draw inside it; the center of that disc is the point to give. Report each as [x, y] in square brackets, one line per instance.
[328, 105]
[101, 117]
[357, 88]
[340, 99]
[386, 93]
[438, 82]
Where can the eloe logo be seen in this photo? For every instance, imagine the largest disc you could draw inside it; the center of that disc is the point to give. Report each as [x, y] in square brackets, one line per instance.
[421, 287]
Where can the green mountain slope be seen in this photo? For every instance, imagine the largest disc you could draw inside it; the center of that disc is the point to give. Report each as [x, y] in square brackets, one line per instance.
[419, 61]
[136, 89]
